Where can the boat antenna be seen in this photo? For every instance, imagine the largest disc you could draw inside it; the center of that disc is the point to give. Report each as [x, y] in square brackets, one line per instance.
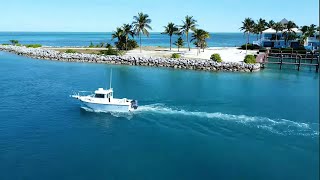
[110, 78]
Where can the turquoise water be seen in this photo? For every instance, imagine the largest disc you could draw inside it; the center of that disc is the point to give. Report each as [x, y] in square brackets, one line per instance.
[190, 125]
[84, 39]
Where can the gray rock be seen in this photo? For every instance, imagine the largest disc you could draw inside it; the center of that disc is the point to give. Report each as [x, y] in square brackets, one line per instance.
[192, 64]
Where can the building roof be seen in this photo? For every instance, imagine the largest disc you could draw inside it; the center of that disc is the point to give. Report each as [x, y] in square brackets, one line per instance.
[284, 21]
[270, 30]
[296, 30]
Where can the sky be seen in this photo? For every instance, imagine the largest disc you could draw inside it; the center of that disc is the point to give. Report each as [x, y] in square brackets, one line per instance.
[106, 15]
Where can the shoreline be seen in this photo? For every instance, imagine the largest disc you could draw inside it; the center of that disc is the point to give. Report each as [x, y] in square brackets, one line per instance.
[228, 54]
[132, 59]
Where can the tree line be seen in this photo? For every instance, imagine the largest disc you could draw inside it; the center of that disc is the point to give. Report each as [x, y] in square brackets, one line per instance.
[249, 26]
[141, 26]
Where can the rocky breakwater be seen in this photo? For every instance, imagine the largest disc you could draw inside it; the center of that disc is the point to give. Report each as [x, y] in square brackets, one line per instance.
[195, 64]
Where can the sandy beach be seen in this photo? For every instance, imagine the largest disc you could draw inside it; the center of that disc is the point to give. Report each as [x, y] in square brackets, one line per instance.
[228, 54]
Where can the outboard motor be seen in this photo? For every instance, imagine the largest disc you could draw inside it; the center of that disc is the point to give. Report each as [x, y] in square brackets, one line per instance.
[134, 104]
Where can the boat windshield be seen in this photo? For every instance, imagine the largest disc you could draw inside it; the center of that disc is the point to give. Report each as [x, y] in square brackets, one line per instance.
[99, 95]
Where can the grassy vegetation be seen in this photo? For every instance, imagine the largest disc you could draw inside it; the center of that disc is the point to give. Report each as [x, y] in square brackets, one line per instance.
[4, 44]
[216, 57]
[175, 55]
[33, 45]
[70, 51]
[250, 59]
[111, 51]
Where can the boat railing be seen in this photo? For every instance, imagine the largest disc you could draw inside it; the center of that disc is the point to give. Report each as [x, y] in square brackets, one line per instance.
[83, 93]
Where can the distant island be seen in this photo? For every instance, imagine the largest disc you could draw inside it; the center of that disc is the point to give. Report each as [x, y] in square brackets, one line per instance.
[283, 35]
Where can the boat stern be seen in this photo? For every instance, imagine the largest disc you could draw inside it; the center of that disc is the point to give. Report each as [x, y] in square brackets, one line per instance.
[134, 104]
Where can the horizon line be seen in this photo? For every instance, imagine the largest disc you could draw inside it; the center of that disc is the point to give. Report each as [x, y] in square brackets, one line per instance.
[97, 32]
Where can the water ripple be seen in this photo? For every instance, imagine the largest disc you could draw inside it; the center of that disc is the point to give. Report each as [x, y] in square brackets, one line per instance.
[277, 126]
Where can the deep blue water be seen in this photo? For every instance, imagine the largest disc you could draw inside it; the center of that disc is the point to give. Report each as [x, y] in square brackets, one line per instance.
[84, 39]
[190, 125]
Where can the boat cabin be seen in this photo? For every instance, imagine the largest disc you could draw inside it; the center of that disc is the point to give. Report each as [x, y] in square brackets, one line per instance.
[102, 93]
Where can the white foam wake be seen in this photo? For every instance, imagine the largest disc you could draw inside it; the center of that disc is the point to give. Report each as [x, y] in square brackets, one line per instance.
[279, 126]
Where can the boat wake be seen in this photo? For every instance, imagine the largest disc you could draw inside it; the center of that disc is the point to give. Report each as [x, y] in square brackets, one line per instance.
[278, 126]
[127, 115]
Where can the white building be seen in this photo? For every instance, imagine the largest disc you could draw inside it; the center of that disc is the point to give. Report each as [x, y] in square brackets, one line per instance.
[271, 38]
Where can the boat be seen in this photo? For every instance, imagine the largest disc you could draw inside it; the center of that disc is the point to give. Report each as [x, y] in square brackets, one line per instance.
[103, 100]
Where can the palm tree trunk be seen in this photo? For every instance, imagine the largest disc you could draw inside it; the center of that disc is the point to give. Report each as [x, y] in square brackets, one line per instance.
[170, 42]
[276, 37]
[140, 41]
[127, 43]
[247, 43]
[187, 33]
[260, 38]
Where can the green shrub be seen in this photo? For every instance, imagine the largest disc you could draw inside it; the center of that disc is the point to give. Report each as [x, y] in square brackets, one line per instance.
[14, 42]
[33, 45]
[4, 44]
[70, 51]
[18, 44]
[132, 44]
[175, 55]
[262, 50]
[250, 59]
[110, 51]
[250, 46]
[91, 45]
[108, 45]
[216, 57]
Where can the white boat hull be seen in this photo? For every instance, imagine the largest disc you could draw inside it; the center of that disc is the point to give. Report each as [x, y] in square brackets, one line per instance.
[102, 100]
[108, 107]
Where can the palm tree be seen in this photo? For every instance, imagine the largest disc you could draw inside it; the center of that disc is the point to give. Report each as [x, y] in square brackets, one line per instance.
[170, 29]
[247, 28]
[179, 43]
[305, 35]
[127, 30]
[118, 33]
[141, 25]
[271, 24]
[278, 27]
[312, 30]
[200, 36]
[304, 29]
[289, 30]
[188, 24]
[255, 30]
[261, 26]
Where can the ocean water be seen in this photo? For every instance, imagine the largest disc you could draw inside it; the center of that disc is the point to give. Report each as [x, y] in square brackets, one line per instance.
[190, 124]
[84, 39]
